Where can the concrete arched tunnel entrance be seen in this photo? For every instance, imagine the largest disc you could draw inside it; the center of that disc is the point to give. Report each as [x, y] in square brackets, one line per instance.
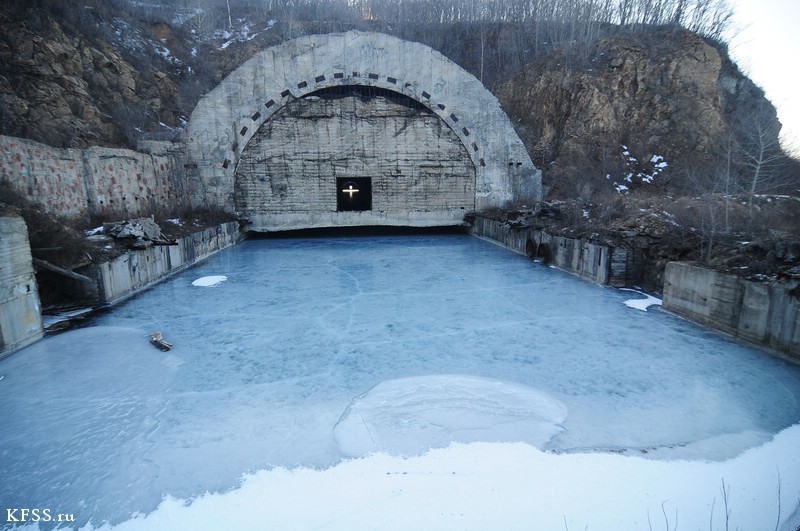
[355, 155]
[354, 129]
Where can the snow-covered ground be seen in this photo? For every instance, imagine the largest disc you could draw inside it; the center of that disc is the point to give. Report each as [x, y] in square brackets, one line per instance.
[314, 353]
[507, 486]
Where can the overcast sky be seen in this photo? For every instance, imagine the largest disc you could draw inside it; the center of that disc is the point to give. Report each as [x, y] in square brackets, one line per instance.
[767, 48]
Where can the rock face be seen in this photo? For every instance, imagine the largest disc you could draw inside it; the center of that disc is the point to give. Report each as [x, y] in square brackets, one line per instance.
[63, 88]
[63, 107]
[668, 94]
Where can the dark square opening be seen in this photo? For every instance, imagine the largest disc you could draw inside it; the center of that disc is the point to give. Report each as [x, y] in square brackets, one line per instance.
[353, 193]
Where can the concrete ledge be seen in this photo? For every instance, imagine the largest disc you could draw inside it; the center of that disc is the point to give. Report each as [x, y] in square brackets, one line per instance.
[138, 270]
[763, 314]
[597, 263]
[302, 220]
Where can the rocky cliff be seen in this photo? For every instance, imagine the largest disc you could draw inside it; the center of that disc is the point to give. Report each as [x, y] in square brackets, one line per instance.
[631, 102]
[64, 84]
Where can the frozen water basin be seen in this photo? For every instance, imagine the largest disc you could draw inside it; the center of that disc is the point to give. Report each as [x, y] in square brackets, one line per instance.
[265, 364]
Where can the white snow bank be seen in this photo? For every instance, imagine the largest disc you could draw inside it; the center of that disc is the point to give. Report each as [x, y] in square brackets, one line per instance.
[210, 282]
[641, 304]
[408, 416]
[505, 486]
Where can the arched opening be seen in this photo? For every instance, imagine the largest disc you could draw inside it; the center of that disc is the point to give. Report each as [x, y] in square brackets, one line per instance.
[354, 155]
[530, 248]
[544, 253]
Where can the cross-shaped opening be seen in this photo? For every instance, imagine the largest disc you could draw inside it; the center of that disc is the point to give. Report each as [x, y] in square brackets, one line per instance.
[353, 193]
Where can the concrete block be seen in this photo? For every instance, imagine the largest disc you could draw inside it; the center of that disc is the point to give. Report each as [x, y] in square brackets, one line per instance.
[20, 313]
[764, 314]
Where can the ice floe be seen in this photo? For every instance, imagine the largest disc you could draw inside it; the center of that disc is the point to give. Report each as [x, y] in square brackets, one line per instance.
[210, 281]
[408, 416]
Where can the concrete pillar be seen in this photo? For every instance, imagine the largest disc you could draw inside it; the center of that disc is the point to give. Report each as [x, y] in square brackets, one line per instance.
[20, 314]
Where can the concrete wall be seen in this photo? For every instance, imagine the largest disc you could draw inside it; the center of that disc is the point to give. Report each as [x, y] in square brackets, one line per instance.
[20, 315]
[764, 314]
[287, 175]
[138, 270]
[96, 182]
[594, 262]
[225, 120]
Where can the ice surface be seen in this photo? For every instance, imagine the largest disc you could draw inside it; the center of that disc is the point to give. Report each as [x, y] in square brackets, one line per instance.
[100, 423]
[81, 414]
[409, 416]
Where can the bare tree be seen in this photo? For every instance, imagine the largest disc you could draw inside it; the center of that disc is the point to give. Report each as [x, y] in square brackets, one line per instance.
[763, 164]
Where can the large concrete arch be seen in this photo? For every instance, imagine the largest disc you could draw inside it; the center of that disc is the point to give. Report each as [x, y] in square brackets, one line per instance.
[227, 118]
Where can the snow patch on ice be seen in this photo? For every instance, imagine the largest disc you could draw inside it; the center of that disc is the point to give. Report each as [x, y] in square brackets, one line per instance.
[210, 281]
[641, 304]
[408, 416]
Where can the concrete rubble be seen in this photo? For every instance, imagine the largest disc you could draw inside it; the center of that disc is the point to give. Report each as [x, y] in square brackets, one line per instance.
[144, 232]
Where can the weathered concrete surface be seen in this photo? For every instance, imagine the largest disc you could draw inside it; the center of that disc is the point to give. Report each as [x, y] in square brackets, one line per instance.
[226, 119]
[95, 182]
[596, 263]
[420, 172]
[20, 315]
[138, 270]
[764, 314]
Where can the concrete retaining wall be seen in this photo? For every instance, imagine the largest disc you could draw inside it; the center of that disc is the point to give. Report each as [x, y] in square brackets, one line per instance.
[20, 315]
[98, 182]
[764, 314]
[594, 262]
[138, 270]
